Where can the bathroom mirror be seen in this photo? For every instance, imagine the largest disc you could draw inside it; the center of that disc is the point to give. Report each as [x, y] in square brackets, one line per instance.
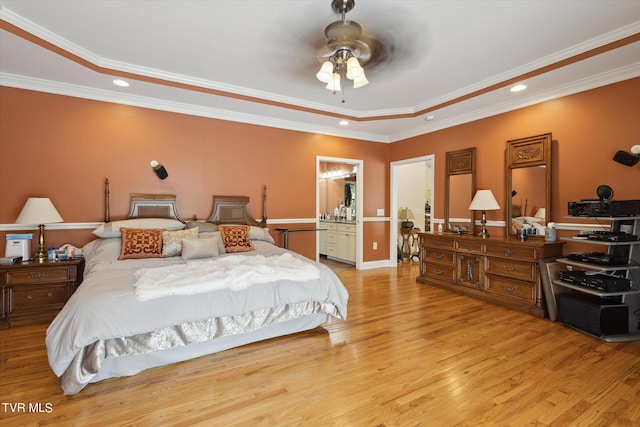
[459, 188]
[528, 184]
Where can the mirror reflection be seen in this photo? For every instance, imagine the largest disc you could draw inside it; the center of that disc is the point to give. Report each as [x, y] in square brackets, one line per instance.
[460, 186]
[528, 189]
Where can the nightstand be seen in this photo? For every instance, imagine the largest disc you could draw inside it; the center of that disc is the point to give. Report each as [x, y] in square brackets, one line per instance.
[33, 292]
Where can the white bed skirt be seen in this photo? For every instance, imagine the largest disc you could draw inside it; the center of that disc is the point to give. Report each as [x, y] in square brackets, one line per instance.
[130, 365]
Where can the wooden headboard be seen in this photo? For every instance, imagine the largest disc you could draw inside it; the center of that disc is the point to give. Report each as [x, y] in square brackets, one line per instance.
[233, 210]
[226, 209]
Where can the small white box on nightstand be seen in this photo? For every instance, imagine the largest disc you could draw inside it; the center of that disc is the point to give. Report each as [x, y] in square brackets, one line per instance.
[19, 245]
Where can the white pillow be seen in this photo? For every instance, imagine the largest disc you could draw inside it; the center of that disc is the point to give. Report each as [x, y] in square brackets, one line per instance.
[172, 241]
[199, 248]
[259, 233]
[112, 229]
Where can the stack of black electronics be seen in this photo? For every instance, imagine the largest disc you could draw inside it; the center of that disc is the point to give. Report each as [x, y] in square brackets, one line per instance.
[594, 280]
[599, 258]
[594, 315]
[613, 208]
[612, 236]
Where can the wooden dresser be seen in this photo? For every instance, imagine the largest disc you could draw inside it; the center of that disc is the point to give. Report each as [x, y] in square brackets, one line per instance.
[501, 270]
[34, 292]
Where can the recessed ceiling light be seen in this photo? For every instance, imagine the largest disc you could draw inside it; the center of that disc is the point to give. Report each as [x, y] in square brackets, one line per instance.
[430, 117]
[120, 82]
[518, 88]
[344, 123]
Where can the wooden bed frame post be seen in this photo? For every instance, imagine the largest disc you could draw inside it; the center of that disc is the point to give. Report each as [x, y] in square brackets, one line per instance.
[264, 207]
[107, 215]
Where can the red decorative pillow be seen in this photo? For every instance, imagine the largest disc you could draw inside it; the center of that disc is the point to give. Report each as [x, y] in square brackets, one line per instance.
[141, 243]
[236, 238]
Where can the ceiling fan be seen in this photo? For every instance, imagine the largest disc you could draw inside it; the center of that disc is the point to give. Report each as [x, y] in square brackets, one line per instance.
[394, 40]
[346, 50]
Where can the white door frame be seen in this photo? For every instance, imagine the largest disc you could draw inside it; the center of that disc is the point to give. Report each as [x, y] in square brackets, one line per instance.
[393, 229]
[359, 201]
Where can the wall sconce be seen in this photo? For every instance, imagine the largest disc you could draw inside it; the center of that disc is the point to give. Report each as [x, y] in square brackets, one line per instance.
[159, 169]
[484, 201]
[628, 159]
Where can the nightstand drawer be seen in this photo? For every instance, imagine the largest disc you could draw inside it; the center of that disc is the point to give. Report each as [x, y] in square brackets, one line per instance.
[37, 297]
[38, 275]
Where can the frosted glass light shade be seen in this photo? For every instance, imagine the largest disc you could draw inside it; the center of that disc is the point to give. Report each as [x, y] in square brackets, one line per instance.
[324, 75]
[38, 210]
[360, 82]
[354, 70]
[334, 84]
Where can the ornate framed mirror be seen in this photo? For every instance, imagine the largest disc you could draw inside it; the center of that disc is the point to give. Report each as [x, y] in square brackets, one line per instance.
[459, 188]
[528, 184]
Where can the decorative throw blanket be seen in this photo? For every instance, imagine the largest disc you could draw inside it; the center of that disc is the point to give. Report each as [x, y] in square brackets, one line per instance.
[234, 272]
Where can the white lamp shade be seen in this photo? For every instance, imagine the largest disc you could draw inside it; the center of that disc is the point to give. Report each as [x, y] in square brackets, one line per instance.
[334, 84]
[38, 210]
[406, 213]
[354, 70]
[541, 213]
[324, 75]
[484, 201]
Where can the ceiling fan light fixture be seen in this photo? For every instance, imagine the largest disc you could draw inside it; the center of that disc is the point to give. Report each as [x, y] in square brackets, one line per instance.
[346, 50]
[334, 83]
[360, 81]
[324, 75]
[354, 70]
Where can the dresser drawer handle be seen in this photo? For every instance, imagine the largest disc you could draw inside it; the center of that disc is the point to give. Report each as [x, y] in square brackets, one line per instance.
[509, 289]
[37, 276]
[469, 247]
[507, 252]
[439, 256]
[507, 268]
[439, 272]
[29, 296]
[49, 294]
[437, 242]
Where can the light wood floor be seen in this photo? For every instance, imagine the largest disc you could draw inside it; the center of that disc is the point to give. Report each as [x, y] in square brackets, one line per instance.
[408, 355]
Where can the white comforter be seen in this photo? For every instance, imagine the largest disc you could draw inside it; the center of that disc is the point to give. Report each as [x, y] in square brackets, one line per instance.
[105, 307]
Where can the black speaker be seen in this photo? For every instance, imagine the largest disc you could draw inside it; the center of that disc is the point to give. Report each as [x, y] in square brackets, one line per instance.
[604, 192]
[593, 315]
[625, 158]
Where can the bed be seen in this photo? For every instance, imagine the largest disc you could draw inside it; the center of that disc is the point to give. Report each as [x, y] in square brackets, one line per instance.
[137, 311]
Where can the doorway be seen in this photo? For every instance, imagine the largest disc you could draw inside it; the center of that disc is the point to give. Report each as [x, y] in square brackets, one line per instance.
[339, 190]
[412, 189]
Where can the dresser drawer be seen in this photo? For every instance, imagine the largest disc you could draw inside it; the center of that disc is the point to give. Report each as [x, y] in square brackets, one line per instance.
[511, 269]
[510, 251]
[438, 242]
[517, 290]
[439, 272]
[37, 297]
[469, 246]
[38, 275]
[439, 257]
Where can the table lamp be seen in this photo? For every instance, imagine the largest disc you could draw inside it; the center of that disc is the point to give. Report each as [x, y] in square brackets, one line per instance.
[484, 201]
[39, 211]
[406, 216]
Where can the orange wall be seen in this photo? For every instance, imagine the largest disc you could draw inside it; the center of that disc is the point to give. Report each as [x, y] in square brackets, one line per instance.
[587, 129]
[63, 148]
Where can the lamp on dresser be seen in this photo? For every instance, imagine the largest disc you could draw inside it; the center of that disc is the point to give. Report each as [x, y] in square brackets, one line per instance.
[39, 211]
[484, 201]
